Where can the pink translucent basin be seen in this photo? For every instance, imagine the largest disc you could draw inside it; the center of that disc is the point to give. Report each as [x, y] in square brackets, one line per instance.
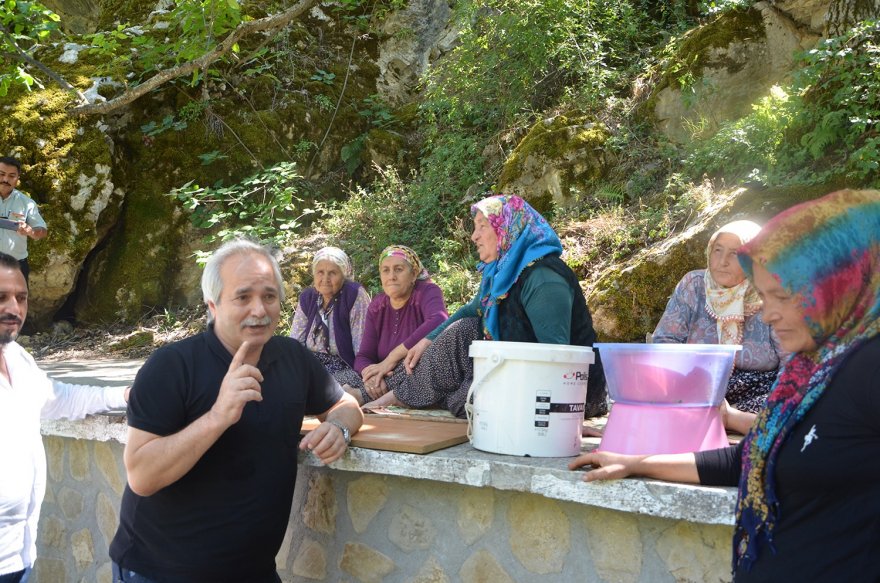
[667, 374]
[666, 396]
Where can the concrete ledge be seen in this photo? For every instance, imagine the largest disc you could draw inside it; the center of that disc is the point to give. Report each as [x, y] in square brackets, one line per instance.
[462, 464]
[548, 477]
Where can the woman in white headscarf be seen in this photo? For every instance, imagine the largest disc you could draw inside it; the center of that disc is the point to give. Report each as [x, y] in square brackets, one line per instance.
[719, 305]
[330, 317]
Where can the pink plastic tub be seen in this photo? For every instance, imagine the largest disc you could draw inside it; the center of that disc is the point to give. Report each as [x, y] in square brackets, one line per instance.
[678, 375]
[666, 396]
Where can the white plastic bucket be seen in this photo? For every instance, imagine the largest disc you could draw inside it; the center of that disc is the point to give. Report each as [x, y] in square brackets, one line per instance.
[528, 399]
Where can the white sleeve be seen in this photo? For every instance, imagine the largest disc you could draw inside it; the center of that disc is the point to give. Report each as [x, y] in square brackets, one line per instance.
[76, 401]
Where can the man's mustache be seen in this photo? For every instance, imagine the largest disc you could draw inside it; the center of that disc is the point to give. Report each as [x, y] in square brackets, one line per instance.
[264, 321]
[10, 318]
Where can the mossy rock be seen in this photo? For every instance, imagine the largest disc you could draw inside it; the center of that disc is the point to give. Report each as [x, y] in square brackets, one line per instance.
[627, 301]
[557, 156]
[140, 339]
[720, 69]
[67, 169]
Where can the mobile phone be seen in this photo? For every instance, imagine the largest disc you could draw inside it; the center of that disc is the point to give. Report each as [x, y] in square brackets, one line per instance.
[7, 224]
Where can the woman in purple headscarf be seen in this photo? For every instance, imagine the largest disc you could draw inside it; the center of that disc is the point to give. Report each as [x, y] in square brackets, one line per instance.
[410, 306]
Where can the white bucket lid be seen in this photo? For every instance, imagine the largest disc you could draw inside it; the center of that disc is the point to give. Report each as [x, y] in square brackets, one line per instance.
[533, 351]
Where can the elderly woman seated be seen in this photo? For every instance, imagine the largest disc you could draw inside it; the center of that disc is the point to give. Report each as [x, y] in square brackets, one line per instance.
[719, 305]
[527, 294]
[331, 314]
[409, 307]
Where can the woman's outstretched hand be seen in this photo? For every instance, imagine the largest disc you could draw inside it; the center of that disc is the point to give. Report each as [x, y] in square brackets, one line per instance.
[414, 354]
[607, 465]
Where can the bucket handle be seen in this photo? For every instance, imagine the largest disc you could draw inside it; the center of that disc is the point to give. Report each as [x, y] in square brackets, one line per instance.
[495, 360]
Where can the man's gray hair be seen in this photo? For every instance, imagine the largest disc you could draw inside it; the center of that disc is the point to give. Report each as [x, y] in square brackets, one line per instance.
[212, 283]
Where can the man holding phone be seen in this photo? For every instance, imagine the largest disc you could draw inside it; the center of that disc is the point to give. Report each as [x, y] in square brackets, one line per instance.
[19, 216]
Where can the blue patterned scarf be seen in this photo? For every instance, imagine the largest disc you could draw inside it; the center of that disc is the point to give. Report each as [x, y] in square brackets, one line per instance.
[523, 237]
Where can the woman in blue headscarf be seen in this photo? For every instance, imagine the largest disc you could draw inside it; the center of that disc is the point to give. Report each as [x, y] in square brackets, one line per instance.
[527, 294]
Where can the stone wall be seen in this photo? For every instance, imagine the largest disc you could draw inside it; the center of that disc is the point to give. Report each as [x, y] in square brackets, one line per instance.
[454, 515]
[372, 528]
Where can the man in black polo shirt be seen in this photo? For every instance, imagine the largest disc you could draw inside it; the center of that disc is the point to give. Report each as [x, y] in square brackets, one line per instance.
[214, 424]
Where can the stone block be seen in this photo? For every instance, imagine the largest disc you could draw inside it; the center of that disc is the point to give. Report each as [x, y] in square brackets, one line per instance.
[104, 574]
[71, 503]
[365, 564]
[107, 463]
[310, 561]
[82, 548]
[411, 530]
[539, 533]
[610, 537]
[52, 532]
[105, 513]
[365, 498]
[482, 567]
[78, 459]
[50, 570]
[319, 511]
[54, 457]
[696, 552]
[284, 552]
[476, 510]
[431, 572]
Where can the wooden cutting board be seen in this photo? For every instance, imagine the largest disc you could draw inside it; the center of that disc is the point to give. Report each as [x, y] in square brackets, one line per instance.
[405, 435]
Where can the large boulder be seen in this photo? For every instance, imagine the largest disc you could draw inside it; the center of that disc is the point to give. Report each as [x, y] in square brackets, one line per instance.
[722, 68]
[627, 301]
[557, 157]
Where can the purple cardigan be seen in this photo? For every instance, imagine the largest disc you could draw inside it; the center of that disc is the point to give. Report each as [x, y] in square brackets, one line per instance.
[386, 328]
[308, 303]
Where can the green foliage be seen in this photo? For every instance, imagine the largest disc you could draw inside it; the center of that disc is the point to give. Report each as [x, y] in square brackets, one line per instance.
[168, 123]
[263, 207]
[821, 126]
[714, 7]
[324, 77]
[377, 112]
[24, 27]
[516, 56]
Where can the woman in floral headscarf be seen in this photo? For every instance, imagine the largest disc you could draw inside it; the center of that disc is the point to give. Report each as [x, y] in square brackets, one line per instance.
[409, 307]
[329, 320]
[809, 480]
[527, 294]
[719, 305]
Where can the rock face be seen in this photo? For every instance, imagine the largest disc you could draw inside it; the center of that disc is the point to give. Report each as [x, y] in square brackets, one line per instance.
[724, 67]
[555, 157]
[414, 36]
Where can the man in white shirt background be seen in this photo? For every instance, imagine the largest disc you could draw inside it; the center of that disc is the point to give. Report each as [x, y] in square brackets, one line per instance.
[26, 396]
[21, 216]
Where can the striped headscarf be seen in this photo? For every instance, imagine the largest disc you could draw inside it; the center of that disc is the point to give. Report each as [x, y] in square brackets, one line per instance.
[407, 255]
[523, 237]
[826, 253]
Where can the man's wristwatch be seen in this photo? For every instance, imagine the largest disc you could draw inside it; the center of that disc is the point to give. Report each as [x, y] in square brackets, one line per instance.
[346, 434]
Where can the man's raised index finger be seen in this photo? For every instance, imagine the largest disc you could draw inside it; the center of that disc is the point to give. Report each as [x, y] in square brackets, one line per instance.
[238, 358]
